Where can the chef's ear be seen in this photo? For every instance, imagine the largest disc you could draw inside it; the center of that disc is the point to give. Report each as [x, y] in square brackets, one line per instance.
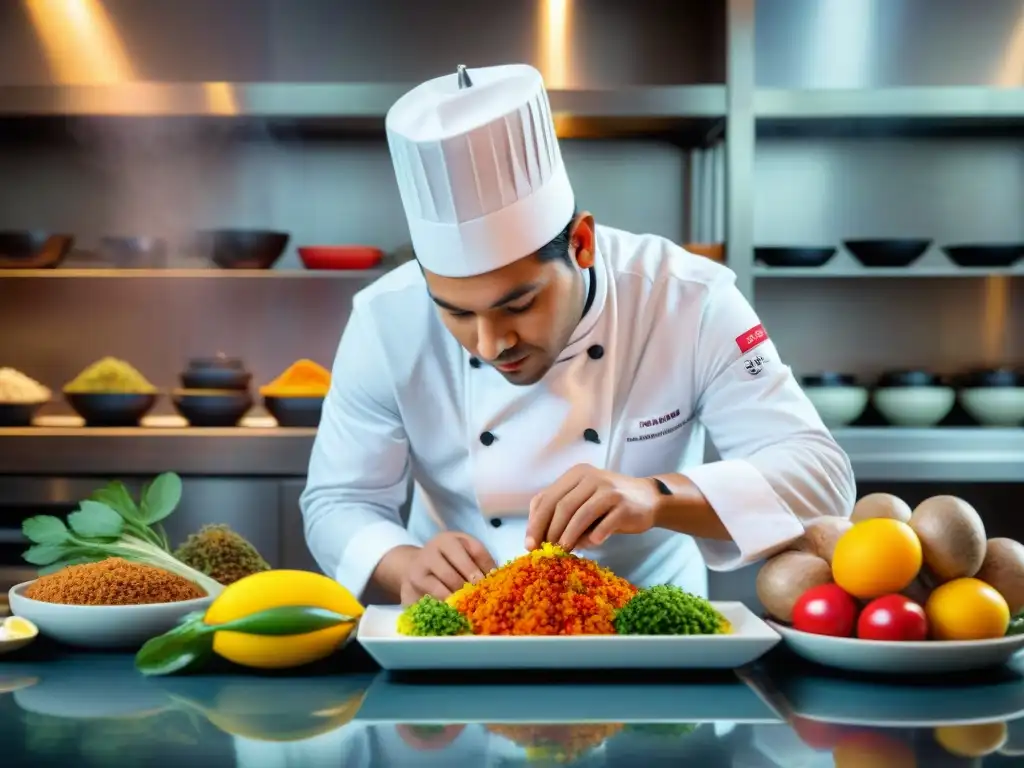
[581, 237]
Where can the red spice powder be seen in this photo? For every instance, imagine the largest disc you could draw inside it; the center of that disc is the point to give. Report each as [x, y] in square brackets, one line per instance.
[546, 592]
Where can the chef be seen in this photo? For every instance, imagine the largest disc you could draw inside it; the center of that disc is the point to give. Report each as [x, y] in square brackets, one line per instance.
[538, 376]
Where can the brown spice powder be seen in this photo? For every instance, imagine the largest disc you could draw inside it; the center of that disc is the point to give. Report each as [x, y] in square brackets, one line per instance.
[113, 581]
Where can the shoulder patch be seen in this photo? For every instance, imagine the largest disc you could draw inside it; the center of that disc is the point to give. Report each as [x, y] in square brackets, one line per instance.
[747, 340]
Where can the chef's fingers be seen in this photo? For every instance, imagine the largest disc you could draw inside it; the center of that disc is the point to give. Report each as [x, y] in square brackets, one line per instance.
[609, 524]
[427, 584]
[454, 550]
[439, 565]
[478, 552]
[585, 519]
[542, 509]
[567, 508]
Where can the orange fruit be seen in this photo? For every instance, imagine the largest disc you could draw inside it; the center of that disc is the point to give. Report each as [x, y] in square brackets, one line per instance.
[872, 749]
[972, 740]
[876, 557]
[966, 609]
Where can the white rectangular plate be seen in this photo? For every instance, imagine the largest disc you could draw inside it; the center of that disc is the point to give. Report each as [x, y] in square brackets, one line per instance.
[751, 638]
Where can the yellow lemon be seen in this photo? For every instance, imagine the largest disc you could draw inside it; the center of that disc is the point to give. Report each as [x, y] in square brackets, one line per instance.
[971, 740]
[276, 589]
[17, 628]
[966, 609]
[876, 557]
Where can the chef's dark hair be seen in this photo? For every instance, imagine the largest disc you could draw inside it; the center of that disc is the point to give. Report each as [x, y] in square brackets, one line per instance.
[558, 248]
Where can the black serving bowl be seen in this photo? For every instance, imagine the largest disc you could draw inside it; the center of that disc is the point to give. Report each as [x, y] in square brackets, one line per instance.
[215, 373]
[783, 256]
[212, 408]
[984, 378]
[984, 255]
[111, 409]
[242, 248]
[910, 378]
[18, 414]
[828, 379]
[33, 249]
[295, 411]
[887, 253]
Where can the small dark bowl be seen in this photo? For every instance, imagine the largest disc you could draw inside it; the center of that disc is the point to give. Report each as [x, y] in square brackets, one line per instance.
[212, 408]
[909, 379]
[295, 411]
[990, 377]
[887, 253]
[33, 249]
[18, 414]
[781, 256]
[829, 379]
[133, 252]
[111, 409]
[984, 255]
[215, 373]
[242, 248]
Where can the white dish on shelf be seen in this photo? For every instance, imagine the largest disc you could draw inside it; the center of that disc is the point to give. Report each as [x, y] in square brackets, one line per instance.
[900, 658]
[167, 421]
[838, 406]
[101, 626]
[751, 638]
[9, 644]
[914, 406]
[994, 406]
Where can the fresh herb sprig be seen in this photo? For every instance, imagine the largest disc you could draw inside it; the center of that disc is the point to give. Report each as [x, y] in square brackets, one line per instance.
[110, 524]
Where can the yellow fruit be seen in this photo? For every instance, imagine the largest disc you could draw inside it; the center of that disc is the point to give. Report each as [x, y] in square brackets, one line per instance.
[966, 609]
[276, 589]
[17, 628]
[871, 749]
[876, 557]
[971, 740]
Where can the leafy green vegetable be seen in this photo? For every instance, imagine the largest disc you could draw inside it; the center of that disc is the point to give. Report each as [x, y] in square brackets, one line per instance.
[1016, 626]
[187, 647]
[109, 524]
[430, 617]
[665, 609]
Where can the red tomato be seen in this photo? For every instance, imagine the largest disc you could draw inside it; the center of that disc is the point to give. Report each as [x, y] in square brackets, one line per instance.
[825, 610]
[892, 617]
[817, 735]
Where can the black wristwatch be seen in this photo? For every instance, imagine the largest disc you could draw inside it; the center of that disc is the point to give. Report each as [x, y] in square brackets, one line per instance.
[662, 488]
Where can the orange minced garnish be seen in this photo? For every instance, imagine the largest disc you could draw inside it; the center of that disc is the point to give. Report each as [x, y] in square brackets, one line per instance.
[544, 592]
[303, 378]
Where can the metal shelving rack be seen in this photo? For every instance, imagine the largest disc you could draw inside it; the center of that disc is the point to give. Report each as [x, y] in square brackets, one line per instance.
[738, 107]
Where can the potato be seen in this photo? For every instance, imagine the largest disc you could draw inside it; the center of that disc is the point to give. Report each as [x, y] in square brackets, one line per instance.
[952, 537]
[1003, 570]
[785, 577]
[919, 591]
[820, 536]
[881, 505]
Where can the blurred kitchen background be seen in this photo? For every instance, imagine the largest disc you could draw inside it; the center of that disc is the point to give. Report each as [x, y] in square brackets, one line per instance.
[728, 125]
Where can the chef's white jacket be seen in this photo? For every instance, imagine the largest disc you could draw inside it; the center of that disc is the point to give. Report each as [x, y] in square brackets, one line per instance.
[668, 351]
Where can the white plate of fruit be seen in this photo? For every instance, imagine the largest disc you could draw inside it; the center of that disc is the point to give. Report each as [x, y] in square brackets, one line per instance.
[899, 591]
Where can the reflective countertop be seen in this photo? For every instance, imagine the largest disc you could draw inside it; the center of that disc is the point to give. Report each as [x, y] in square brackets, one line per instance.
[88, 709]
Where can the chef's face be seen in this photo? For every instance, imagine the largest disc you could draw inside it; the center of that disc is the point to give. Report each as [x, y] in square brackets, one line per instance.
[519, 318]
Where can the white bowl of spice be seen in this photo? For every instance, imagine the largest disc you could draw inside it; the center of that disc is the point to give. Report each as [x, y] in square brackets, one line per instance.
[113, 603]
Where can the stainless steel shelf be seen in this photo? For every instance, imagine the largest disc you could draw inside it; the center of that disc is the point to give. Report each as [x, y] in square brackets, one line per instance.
[242, 451]
[891, 454]
[220, 274]
[924, 103]
[329, 100]
[828, 272]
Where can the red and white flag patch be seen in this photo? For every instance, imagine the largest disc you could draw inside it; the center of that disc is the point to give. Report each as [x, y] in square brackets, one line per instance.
[747, 340]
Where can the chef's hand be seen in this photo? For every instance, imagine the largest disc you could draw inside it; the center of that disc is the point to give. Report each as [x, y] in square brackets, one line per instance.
[444, 565]
[586, 505]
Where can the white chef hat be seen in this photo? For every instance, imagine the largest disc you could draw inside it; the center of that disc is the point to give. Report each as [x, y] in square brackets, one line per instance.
[479, 169]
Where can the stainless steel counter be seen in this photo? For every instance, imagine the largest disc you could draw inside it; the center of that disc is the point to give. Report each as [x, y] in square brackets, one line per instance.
[975, 455]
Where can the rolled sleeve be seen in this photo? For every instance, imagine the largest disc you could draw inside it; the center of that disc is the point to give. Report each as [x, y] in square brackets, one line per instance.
[359, 469]
[781, 468]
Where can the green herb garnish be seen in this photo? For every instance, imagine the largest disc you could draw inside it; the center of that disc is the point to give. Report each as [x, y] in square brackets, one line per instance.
[668, 610]
[110, 524]
[430, 617]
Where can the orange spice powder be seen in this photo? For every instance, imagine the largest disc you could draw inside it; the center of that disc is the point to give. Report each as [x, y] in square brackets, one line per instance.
[113, 581]
[545, 592]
